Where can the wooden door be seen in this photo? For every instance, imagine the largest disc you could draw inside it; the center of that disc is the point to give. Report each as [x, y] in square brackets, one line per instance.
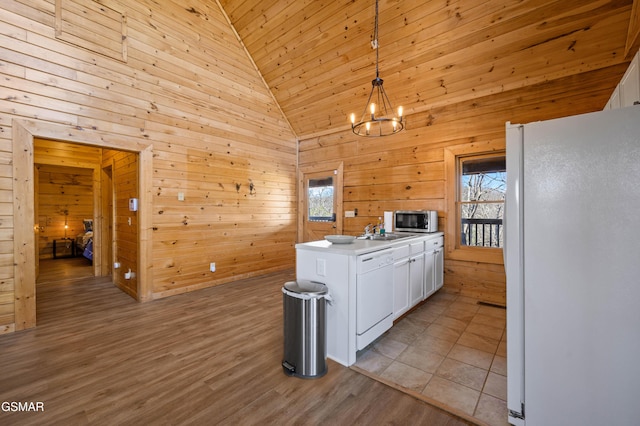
[320, 213]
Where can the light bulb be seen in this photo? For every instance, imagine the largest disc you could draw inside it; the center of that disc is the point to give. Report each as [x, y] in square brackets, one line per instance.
[400, 112]
[353, 118]
[394, 124]
[372, 107]
[368, 126]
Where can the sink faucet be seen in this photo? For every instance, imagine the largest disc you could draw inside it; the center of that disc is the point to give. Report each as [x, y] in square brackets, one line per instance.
[370, 230]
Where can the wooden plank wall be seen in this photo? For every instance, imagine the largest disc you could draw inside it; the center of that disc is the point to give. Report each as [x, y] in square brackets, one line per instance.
[191, 91]
[407, 170]
[62, 189]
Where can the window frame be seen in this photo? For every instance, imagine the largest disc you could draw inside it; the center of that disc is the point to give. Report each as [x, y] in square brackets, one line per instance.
[331, 218]
[453, 174]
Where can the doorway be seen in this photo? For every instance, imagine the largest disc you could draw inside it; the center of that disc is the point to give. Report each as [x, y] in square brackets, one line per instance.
[67, 204]
[70, 198]
[320, 196]
[25, 263]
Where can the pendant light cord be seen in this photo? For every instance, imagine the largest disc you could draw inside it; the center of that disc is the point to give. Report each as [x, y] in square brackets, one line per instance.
[374, 42]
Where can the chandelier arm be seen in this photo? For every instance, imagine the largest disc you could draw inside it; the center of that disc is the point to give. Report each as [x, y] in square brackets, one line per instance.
[364, 115]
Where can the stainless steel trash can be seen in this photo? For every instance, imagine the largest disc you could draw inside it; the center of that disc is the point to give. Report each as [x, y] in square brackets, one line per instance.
[305, 340]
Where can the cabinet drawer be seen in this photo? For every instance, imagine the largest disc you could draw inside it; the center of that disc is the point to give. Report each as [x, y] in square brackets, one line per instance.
[416, 247]
[400, 252]
[434, 243]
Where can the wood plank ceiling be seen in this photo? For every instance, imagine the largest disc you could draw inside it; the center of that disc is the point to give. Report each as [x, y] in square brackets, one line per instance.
[316, 56]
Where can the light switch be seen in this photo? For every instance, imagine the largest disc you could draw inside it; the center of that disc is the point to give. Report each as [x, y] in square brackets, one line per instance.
[180, 196]
[321, 267]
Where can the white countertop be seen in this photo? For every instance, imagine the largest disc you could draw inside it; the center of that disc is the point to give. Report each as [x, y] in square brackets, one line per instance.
[358, 246]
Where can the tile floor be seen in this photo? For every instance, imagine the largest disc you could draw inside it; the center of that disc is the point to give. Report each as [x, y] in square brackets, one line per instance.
[451, 350]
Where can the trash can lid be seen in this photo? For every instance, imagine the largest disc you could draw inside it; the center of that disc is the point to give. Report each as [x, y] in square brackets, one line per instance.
[306, 287]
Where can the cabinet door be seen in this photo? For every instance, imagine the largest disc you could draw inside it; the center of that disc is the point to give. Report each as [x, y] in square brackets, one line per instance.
[614, 101]
[400, 287]
[630, 85]
[429, 284]
[438, 268]
[416, 279]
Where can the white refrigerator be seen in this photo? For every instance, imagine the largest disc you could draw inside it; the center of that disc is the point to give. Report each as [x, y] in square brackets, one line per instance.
[572, 260]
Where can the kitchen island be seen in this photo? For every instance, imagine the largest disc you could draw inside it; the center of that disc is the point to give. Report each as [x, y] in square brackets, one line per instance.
[371, 283]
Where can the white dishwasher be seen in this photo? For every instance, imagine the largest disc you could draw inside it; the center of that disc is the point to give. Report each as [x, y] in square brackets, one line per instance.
[374, 296]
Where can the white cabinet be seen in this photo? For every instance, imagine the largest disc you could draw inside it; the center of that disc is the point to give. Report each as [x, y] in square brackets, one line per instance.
[627, 93]
[400, 287]
[614, 101]
[408, 277]
[630, 85]
[399, 277]
[429, 282]
[438, 268]
[418, 272]
[416, 279]
[434, 265]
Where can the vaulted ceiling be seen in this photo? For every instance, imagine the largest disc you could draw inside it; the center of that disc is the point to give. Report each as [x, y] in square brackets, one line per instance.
[316, 55]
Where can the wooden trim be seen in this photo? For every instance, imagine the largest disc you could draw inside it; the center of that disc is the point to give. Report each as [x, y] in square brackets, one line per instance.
[23, 221]
[302, 197]
[145, 198]
[23, 132]
[420, 396]
[107, 227]
[97, 221]
[471, 254]
[633, 33]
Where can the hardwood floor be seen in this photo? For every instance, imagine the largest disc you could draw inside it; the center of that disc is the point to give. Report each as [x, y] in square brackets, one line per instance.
[207, 357]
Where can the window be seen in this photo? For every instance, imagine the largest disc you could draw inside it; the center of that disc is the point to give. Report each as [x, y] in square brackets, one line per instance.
[320, 200]
[475, 176]
[483, 182]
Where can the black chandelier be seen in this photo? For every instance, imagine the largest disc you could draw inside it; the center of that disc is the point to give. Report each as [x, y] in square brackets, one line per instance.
[378, 117]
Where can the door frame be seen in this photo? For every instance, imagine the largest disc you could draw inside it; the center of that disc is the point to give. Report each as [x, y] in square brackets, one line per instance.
[338, 167]
[23, 133]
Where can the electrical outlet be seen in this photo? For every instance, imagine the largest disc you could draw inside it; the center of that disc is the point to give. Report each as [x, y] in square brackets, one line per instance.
[212, 266]
[349, 213]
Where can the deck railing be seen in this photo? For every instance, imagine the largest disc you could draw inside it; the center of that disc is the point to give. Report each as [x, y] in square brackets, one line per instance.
[482, 232]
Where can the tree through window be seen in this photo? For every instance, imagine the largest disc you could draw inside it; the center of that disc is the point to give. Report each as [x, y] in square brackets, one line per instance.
[481, 192]
[320, 199]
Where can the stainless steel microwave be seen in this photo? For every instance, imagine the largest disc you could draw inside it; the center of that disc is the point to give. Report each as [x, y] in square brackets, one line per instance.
[415, 221]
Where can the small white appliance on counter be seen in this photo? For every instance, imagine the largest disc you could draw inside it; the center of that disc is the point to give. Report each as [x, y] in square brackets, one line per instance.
[416, 221]
[572, 260]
